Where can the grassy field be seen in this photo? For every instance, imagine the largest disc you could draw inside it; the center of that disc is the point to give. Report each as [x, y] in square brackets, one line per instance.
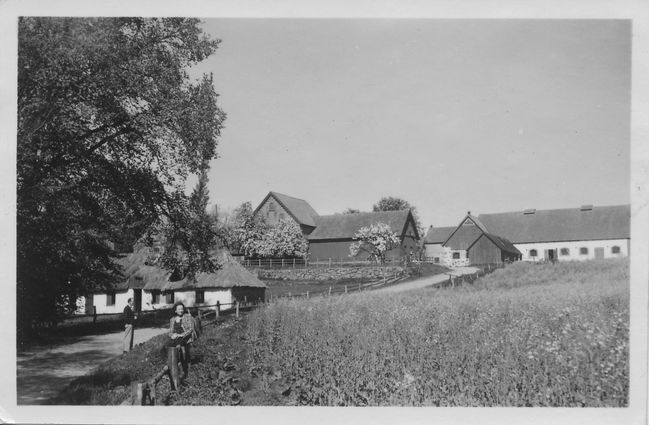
[529, 335]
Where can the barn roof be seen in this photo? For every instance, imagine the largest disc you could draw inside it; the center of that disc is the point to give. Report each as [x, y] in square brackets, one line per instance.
[438, 234]
[299, 209]
[503, 243]
[469, 231]
[569, 224]
[140, 275]
[344, 226]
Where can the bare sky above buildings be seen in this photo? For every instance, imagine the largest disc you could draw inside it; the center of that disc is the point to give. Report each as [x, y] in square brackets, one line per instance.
[451, 115]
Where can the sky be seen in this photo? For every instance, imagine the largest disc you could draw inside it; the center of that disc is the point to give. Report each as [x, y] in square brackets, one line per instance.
[451, 115]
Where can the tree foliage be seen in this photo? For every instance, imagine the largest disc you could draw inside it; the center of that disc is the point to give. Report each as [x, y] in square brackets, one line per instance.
[351, 211]
[109, 127]
[190, 235]
[376, 240]
[391, 203]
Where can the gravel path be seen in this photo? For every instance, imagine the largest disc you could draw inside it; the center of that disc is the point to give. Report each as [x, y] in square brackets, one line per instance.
[427, 281]
[43, 371]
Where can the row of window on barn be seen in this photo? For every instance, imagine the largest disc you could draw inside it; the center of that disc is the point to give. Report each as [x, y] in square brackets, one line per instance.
[582, 251]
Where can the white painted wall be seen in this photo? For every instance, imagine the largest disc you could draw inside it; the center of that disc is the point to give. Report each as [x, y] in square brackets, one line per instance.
[121, 300]
[188, 298]
[574, 249]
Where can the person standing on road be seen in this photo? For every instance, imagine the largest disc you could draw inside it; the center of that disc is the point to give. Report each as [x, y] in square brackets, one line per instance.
[129, 322]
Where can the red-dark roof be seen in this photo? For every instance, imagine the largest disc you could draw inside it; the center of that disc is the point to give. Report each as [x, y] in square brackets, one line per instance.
[570, 224]
[299, 209]
[438, 234]
[344, 226]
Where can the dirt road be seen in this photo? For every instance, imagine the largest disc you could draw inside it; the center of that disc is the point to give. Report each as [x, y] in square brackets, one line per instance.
[43, 371]
[428, 281]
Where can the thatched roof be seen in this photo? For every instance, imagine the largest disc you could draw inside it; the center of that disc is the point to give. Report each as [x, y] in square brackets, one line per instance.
[231, 274]
[140, 275]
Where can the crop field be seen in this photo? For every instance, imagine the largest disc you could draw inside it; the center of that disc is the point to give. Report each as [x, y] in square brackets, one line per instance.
[528, 335]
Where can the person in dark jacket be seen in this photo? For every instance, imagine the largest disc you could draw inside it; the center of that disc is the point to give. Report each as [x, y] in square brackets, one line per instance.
[129, 322]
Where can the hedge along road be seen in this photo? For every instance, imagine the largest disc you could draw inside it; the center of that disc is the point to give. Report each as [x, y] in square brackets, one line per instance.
[43, 371]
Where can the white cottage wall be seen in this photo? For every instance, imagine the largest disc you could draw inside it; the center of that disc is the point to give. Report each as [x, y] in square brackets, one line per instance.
[121, 300]
[574, 249]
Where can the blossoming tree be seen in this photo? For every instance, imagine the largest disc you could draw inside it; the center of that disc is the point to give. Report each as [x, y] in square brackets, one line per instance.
[376, 240]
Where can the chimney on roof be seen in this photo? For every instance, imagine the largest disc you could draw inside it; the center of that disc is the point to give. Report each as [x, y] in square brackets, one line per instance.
[468, 213]
[529, 211]
[586, 208]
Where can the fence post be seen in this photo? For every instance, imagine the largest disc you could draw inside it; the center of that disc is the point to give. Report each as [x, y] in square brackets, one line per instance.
[294, 263]
[94, 314]
[330, 262]
[359, 287]
[289, 294]
[307, 295]
[172, 362]
[137, 394]
[236, 306]
[345, 289]
[282, 263]
[245, 300]
[260, 262]
[217, 309]
[329, 290]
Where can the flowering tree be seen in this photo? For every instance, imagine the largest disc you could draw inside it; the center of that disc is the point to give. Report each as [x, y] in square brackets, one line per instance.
[376, 239]
[285, 239]
[248, 231]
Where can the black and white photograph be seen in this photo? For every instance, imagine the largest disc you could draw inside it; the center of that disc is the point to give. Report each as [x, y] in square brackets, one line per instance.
[400, 214]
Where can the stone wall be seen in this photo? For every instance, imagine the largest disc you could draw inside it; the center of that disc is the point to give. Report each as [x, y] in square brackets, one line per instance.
[330, 273]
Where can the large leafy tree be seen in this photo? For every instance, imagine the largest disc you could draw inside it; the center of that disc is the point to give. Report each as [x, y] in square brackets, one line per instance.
[109, 127]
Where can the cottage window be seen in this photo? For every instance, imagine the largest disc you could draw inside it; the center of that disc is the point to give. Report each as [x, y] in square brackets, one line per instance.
[200, 297]
[110, 298]
[155, 297]
[436, 260]
[456, 255]
[615, 249]
[565, 251]
[169, 297]
[583, 250]
[533, 253]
